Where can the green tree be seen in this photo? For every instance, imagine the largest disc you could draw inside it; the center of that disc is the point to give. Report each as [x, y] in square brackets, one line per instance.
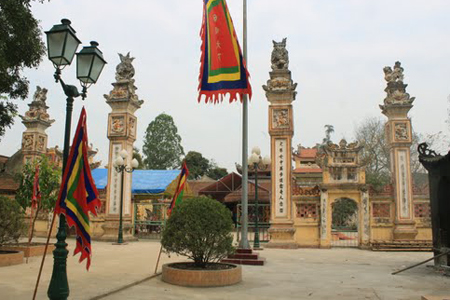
[138, 157]
[199, 228]
[12, 225]
[49, 182]
[343, 211]
[329, 129]
[375, 153]
[216, 172]
[197, 164]
[20, 47]
[162, 144]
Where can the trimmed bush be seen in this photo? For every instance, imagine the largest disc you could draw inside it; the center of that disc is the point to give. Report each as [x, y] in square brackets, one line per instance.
[200, 229]
[12, 225]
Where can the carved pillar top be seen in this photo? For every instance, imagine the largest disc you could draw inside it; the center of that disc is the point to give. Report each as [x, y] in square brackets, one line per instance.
[123, 96]
[37, 113]
[280, 88]
[397, 102]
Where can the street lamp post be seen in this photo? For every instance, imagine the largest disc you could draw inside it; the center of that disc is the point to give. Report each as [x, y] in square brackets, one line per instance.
[62, 44]
[121, 167]
[256, 163]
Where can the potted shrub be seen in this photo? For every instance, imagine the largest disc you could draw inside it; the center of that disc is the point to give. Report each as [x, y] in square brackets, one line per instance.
[49, 181]
[200, 229]
[11, 228]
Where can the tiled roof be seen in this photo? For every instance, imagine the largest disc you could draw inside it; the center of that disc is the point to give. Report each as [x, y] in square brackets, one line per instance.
[7, 182]
[308, 153]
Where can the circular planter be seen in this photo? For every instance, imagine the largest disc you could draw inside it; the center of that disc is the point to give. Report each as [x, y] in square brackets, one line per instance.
[9, 258]
[34, 249]
[201, 278]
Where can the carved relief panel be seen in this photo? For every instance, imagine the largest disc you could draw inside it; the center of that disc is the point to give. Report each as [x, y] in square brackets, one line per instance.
[117, 125]
[41, 143]
[28, 142]
[132, 126]
[280, 118]
[399, 132]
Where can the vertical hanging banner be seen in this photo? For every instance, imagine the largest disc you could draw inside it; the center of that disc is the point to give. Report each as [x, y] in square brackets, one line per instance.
[178, 195]
[223, 69]
[78, 194]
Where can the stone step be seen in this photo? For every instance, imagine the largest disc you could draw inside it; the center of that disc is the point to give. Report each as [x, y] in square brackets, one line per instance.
[244, 256]
[249, 262]
[403, 249]
[416, 245]
[248, 251]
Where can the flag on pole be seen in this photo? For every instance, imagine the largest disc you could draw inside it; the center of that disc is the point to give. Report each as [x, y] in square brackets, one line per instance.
[223, 69]
[178, 195]
[78, 194]
[36, 198]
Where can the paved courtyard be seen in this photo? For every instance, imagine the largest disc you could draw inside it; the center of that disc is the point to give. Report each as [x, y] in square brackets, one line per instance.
[289, 274]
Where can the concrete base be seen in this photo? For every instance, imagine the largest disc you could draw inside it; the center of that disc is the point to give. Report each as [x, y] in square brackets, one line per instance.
[201, 278]
[405, 233]
[281, 236]
[111, 231]
[9, 258]
[28, 251]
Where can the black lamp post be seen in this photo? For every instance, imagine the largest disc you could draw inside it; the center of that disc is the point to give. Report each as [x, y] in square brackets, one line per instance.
[255, 164]
[62, 44]
[121, 167]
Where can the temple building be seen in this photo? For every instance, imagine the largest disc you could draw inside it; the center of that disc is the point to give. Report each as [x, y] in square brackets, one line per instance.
[307, 197]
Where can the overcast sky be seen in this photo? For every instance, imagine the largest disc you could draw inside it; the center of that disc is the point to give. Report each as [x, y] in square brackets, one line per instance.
[337, 52]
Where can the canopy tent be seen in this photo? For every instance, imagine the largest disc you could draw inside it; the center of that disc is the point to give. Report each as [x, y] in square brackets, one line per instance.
[143, 181]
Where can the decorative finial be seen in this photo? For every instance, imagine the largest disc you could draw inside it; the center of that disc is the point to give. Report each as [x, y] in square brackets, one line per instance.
[280, 56]
[396, 89]
[125, 69]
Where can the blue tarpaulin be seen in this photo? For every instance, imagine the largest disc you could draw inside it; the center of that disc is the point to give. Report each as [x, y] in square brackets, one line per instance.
[144, 181]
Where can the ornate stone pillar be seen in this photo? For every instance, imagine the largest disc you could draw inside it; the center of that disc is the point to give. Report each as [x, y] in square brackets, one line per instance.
[280, 92]
[36, 120]
[121, 133]
[399, 139]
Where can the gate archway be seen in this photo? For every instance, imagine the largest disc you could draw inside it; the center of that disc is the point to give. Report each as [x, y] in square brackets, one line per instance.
[345, 223]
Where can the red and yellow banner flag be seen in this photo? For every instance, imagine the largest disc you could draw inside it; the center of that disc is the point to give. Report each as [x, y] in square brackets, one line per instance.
[78, 195]
[178, 195]
[223, 68]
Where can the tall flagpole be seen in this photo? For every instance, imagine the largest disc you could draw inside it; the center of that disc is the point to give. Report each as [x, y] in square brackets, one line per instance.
[244, 244]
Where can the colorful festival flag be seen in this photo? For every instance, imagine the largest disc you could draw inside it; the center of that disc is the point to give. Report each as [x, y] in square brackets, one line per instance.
[178, 195]
[36, 198]
[223, 69]
[78, 194]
